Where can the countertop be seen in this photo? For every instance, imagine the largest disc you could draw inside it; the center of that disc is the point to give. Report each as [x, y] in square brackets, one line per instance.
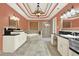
[10, 35]
[18, 31]
[69, 36]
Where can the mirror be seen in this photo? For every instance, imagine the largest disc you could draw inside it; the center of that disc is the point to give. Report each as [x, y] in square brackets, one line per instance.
[67, 24]
[72, 23]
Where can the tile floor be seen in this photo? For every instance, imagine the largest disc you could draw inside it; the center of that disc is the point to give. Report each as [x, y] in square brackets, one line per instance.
[35, 47]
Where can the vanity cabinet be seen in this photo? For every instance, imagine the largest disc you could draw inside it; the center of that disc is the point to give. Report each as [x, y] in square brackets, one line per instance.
[72, 53]
[63, 46]
[12, 42]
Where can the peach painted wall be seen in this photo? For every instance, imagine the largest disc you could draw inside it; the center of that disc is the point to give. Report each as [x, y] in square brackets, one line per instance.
[23, 23]
[58, 23]
[5, 12]
[75, 23]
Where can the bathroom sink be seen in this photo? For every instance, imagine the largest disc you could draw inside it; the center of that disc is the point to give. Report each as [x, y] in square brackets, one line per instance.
[70, 36]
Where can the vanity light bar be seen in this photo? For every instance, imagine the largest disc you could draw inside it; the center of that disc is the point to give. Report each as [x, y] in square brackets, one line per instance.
[70, 13]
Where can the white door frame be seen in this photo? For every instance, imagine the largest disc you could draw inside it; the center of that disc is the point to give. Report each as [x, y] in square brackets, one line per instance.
[54, 25]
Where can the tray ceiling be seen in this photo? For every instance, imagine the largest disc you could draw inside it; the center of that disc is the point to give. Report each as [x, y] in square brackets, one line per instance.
[27, 9]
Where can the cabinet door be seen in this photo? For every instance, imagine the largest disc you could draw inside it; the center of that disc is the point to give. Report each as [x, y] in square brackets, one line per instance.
[59, 45]
[8, 44]
[65, 47]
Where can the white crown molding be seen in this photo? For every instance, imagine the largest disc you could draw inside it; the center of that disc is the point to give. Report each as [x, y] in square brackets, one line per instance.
[54, 12]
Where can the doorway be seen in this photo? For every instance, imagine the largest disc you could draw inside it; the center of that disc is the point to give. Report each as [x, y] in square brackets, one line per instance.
[45, 30]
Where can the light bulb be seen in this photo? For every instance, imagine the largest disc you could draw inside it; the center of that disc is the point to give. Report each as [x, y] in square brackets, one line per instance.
[73, 12]
[64, 16]
[38, 14]
[68, 14]
[61, 17]
[77, 10]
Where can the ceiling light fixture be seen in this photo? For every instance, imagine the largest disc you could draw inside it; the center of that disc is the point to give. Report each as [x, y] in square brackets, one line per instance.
[38, 12]
[73, 11]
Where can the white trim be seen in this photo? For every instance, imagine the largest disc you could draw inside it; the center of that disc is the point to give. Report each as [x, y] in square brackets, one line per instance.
[61, 24]
[54, 25]
[54, 12]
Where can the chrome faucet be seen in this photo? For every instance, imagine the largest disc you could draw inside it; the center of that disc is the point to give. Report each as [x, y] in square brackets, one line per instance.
[73, 33]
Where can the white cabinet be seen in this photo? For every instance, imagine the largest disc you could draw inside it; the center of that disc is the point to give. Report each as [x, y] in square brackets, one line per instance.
[63, 46]
[8, 44]
[59, 46]
[13, 42]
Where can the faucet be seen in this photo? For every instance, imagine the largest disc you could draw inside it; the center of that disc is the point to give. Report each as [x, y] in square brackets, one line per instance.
[73, 33]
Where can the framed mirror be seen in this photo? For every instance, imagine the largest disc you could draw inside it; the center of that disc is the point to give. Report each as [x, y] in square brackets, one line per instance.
[13, 21]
